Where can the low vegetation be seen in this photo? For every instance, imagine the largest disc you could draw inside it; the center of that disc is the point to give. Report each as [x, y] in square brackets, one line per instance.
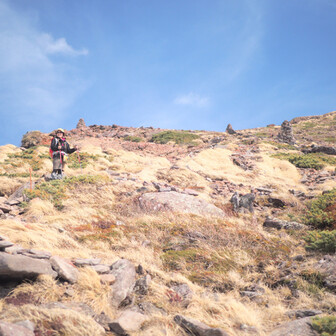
[326, 325]
[179, 137]
[133, 138]
[302, 160]
[324, 241]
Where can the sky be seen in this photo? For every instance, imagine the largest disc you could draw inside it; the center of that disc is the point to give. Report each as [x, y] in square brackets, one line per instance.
[177, 64]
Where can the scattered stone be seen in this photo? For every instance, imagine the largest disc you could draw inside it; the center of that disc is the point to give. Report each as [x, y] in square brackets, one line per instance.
[5, 208]
[177, 202]
[26, 324]
[15, 201]
[299, 257]
[15, 249]
[190, 192]
[242, 202]
[86, 262]
[104, 320]
[108, 279]
[11, 329]
[64, 269]
[124, 272]
[252, 291]
[281, 224]
[197, 328]
[303, 313]
[32, 253]
[327, 266]
[101, 269]
[128, 321]
[301, 327]
[4, 244]
[249, 329]
[184, 292]
[320, 149]
[286, 133]
[22, 267]
[142, 284]
[148, 308]
[230, 130]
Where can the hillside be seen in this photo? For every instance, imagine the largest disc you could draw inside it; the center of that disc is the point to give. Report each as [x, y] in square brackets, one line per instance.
[141, 236]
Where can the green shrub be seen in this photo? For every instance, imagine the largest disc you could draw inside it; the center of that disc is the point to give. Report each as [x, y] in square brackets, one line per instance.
[326, 325]
[320, 213]
[179, 137]
[324, 241]
[30, 156]
[85, 160]
[133, 138]
[302, 160]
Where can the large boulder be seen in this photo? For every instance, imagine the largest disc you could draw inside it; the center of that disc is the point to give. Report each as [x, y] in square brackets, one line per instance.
[196, 328]
[177, 202]
[301, 327]
[17, 267]
[124, 272]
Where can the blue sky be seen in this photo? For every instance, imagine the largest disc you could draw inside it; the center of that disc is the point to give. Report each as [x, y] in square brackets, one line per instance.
[180, 64]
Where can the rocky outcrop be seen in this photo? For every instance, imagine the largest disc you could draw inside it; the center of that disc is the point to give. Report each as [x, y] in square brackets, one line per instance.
[286, 133]
[18, 267]
[301, 327]
[196, 328]
[176, 202]
[321, 149]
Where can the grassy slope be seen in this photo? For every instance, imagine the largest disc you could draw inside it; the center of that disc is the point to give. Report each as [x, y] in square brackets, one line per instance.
[236, 252]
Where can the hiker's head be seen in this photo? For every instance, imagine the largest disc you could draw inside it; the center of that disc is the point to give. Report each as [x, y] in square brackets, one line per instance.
[60, 132]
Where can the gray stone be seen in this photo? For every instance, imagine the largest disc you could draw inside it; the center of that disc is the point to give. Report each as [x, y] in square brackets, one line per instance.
[79, 307]
[191, 192]
[5, 208]
[124, 272]
[282, 224]
[103, 320]
[301, 327]
[4, 244]
[11, 329]
[196, 328]
[327, 266]
[26, 324]
[128, 321]
[101, 269]
[177, 202]
[86, 262]
[184, 292]
[304, 313]
[286, 133]
[15, 249]
[142, 284]
[64, 269]
[32, 253]
[21, 267]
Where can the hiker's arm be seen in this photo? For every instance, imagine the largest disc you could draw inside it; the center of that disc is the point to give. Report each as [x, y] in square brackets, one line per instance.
[71, 150]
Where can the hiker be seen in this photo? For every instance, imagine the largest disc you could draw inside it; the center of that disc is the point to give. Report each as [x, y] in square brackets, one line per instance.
[59, 148]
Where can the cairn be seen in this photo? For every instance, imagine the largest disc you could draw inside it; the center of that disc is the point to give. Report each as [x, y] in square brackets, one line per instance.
[286, 133]
[81, 123]
[230, 130]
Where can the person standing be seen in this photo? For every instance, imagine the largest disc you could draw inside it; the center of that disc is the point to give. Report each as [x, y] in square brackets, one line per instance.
[59, 148]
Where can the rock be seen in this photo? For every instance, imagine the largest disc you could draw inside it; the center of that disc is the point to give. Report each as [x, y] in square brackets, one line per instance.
[142, 284]
[286, 133]
[4, 244]
[301, 327]
[79, 307]
[5, 208]
[191, 192]
[303, 313]
[196, 328]
[230, 130]
[31, 139]
[327, 266]
[21, 267]
[128, 321]
[26, 324]
[32, 253]
[243, 202]
[15, 249]
[64, 269]
[103, 320]
[15, 201]
[107, 279]
[148, 308]
[184, 292]
[81, 124]
[321, 149]
[177, 202]
[276, 202]
[124, 272]
[101, 269]
[86, 262]
[11, 329]
[281, 224]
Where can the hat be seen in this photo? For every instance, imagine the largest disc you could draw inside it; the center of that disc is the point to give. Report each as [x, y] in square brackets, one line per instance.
[60, 130]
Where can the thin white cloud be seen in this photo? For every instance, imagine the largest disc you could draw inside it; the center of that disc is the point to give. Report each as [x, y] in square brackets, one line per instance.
[51, 46]
[192, 99]
[35, 88]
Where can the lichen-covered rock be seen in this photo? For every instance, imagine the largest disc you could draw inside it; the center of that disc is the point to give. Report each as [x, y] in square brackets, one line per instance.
[177, 202]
